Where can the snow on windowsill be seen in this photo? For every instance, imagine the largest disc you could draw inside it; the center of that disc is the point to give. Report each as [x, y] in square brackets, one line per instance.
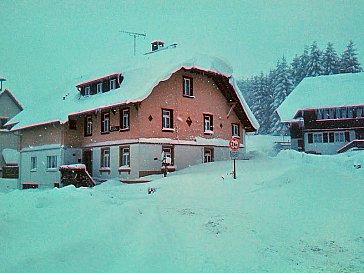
[124, 129]
[187, 96]
[168, 129]
[124, 169]
[104, 169]
[52, 170]
[208, 132]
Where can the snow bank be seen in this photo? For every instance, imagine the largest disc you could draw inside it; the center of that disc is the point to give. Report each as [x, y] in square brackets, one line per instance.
[290, 213]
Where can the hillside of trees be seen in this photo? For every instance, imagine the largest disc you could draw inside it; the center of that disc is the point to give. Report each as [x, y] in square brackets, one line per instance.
[265, 92]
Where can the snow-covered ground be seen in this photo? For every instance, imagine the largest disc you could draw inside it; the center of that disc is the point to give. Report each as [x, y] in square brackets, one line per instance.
[289, 213]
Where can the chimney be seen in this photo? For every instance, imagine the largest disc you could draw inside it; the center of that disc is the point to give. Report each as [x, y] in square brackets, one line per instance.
[157, 44]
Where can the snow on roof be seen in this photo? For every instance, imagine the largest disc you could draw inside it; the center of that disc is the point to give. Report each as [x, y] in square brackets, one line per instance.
[140, 77]
[323, 91]
[11, 156]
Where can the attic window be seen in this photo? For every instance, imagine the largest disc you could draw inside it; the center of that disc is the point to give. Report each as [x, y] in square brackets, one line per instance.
[99, 87]
[112, 84]
[87, 91]
[187, 87]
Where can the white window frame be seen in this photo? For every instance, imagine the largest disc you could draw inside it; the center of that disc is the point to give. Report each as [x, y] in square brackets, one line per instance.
[99, 87]
[317, 138]
[125, 157]
[208, 155]
[125, 119]
[51, 162]
[339, 137]
[33, 163]
[167, 155]
[105, 122]
[88, 126]
[208, 126]
[112, 84]
[105, 157]
[87, 91]
[187, 87]
[167, 119]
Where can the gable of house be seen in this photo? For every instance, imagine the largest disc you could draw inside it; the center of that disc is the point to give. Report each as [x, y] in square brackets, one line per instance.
[9, 106]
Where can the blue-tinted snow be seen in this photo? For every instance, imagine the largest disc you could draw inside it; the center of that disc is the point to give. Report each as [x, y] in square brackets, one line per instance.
[324, 91]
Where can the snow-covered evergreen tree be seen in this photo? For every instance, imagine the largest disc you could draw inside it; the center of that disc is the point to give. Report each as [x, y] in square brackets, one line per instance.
[349, 62]
[283, 86]
[330, 61]
[314, 67]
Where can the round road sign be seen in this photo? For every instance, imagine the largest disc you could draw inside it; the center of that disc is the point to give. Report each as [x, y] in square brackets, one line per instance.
[234, 144]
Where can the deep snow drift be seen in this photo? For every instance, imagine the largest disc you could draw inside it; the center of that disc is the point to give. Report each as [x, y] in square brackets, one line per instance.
[289, 213]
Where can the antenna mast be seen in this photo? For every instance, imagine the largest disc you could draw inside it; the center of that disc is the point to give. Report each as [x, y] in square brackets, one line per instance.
[135, 35]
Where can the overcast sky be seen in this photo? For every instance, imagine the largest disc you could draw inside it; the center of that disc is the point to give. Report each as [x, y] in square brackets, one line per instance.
[48, 43]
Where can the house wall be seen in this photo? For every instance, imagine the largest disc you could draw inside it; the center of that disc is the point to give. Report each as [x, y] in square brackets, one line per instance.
[41, 175]
[41, 135]
[207, 99]
[325, 148]
[143, 155]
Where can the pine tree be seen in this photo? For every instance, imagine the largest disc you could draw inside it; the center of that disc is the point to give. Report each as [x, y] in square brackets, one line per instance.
[283, 86]
[349, 61]
[330, 61]
[314, 67]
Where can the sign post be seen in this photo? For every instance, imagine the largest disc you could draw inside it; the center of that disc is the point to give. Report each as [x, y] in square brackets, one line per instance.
[234, 145]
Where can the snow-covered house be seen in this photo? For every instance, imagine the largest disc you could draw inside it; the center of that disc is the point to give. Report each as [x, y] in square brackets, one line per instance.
[9, 107]
[326, 113]
[123, 121]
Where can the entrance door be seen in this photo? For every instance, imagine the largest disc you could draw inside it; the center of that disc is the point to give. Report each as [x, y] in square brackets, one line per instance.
[87, 160]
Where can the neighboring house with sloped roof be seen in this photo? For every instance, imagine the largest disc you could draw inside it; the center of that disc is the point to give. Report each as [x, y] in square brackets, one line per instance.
[9, 107]
[122, 122]
[326, 113]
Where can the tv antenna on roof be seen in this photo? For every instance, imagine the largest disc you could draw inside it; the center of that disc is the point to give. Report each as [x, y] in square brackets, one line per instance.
[135, 35]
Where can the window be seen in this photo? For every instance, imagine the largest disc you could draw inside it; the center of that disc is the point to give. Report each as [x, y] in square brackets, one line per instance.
[338, 113]
[235, 131]
[339, 137]
[347, 136]
[51, 162]
[325, 137]
[105, 122]
[33, 163]
[112, 84]
[317, 138]
[187, 87]
[125, 156]
[167, 119]
[344, 113]
[208, 155]
[208, 124]
[124, 119]
[105, 158]
[331, 137]
[350, 113]
[326, 114]
[168, 154]
[310, 138]
[319, 113]
[88, 126]
[99, 87]
[359, 112]
[87, 91]
[331, 113]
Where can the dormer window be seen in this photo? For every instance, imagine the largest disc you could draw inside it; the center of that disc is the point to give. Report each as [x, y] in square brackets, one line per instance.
[99, 87]
[87, 91]
[112, 84]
